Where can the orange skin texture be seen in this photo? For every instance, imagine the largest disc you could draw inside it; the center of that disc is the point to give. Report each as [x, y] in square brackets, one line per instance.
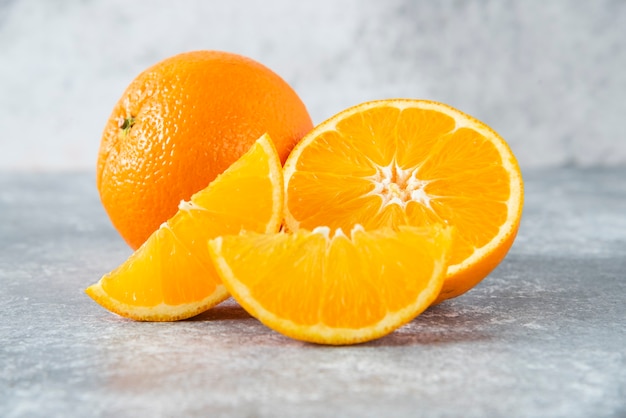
[466, 279]
[194, 114]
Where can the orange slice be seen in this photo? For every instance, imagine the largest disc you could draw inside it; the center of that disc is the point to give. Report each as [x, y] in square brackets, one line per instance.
[410, 162]
[171, 277]
[334, 289]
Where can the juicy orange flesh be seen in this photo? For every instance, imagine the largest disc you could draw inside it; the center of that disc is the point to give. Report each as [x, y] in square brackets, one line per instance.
[341, 283]
[146, 279]
[237, 197]
[173, 266]
[462, 181]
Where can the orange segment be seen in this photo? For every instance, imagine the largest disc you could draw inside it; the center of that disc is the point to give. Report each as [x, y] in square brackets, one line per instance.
[334, 289]
[415, 162]
[171, 276]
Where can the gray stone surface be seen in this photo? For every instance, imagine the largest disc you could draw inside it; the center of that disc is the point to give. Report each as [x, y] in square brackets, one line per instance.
[542, 336]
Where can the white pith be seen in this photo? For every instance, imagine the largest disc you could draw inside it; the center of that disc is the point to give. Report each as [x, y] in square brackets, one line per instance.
[396, 185]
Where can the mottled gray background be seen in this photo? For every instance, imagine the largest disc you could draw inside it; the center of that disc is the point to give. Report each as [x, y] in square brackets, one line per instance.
[548, 75]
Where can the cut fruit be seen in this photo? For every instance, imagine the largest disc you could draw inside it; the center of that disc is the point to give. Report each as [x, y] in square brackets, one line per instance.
[410, 162]
[171, 276]
[334, 289]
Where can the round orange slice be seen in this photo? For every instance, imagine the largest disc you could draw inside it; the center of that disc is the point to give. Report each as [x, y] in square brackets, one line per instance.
[410, 162]
[334, 289]
[171, 276]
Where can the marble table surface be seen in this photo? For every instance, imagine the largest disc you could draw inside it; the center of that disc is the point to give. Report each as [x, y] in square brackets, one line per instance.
[543, 336]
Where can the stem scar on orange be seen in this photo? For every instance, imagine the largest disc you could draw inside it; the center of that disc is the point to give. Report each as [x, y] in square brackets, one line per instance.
[182, 122]
[410, 162]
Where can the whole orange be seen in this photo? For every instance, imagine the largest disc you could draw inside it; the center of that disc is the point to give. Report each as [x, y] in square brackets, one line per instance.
[181, 123]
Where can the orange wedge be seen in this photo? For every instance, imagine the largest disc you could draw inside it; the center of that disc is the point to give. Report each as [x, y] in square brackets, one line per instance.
[410, 162]
[171, 276]
[334, 289]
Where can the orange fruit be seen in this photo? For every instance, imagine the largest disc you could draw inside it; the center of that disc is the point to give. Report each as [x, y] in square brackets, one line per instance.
[334, 289]
[182, 122]
[410, 162]
[171, 276]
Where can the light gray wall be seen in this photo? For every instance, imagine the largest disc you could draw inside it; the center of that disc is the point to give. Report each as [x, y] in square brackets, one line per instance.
[548, 75]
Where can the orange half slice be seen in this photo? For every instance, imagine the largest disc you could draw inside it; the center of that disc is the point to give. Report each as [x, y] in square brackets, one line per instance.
[410, 162]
